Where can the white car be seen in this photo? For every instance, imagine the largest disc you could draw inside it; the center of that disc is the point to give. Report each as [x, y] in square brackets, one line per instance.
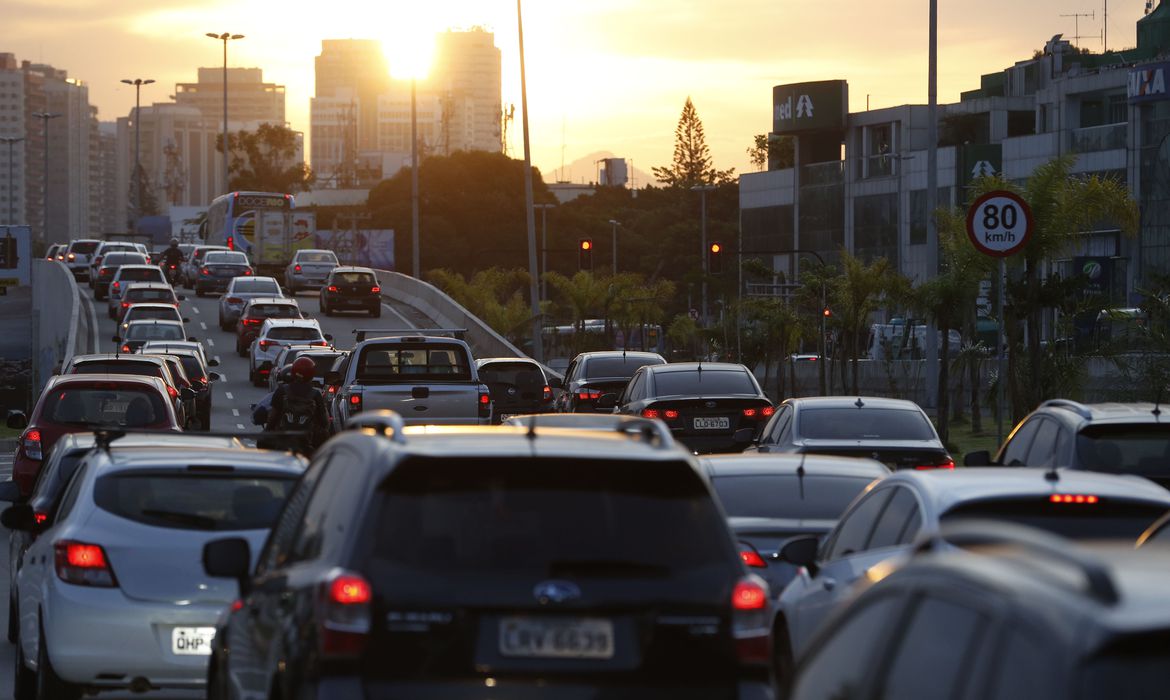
[308, 269]
[148, 311]
[124, 277]
[78, 255]
[112, 594]
[165, 346]
[275, 334]
[104, 248]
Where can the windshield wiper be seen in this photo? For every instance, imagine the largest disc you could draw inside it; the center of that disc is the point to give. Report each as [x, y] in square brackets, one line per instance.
[200, 521]
[606, 567]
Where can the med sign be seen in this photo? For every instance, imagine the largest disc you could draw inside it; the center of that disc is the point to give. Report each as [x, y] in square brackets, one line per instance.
[999, 223]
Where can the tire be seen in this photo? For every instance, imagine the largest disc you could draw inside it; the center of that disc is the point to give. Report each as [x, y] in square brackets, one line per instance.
[783, 664]
[325, 308]
[50, 686]
[24, 681]
[97, 295]
[198, 292]
[376, 311]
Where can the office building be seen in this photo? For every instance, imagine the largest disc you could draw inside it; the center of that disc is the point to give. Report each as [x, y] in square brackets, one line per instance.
[250, 99]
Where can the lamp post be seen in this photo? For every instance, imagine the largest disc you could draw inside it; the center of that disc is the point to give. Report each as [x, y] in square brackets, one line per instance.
[225, 38]
[45, 117]
[543, 247]
[932, 367]
[11, 141]
[414, 252]
[137, 179]
[703, 190]
[529, 214]
[614, 223]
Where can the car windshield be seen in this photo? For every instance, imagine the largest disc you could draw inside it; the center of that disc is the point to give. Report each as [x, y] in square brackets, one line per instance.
[140, 274]
[1104, 518]
[154, 331]
[353, 278]
[1140, 449]
[317, 257]
[703, 382]
[217, 258]
[787, 496]
[115, 405]
[864, 424]
[294, 333]
[562, 518]
[83, 247]
[212, 501]
[402, 362]
[322, 362]
[615, 367]
[273, 311]
[255, 286]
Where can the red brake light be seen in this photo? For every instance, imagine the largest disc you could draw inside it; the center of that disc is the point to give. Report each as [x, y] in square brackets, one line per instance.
[350, 590]
[355, 399]
[231, 243]
[375, 290]
[171, 391]
[651, 413]
[752, 559]
[235, 300]
[750, 621]
[749, 413]
[767, 411]
[670, 414]
[125, 305]
[589, 395]
[125, 348]
[248, 271]
[40, 517]
[83, 564]
[332, 288]
[344, 614]
[296, 268]
[1079, 498]
[546, 394]
[947, 464]
[264, 344]
[205, 271]
[485, 403]
[749, 595]
[117, 284]
[237, 605]
[31, 442]
[484, 399]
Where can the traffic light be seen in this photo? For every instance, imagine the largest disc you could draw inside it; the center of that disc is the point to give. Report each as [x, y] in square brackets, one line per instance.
[715, 258]
[585, 254]
[828, 312]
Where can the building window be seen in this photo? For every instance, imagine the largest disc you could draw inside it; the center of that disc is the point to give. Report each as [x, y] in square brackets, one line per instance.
[875, 227]
[918, 212]
[879, 145]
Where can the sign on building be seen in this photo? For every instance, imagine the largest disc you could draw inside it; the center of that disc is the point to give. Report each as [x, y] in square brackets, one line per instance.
[803, 107]
[977, 160]
[1147, 83]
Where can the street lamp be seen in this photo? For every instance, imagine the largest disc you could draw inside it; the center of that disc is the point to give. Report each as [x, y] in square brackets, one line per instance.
[703, 190]
[614, 223]
[414, 234]
[45, 117]
[11, 141]
[137, 178]
[225, 38]
[529, 214]
[543, 246]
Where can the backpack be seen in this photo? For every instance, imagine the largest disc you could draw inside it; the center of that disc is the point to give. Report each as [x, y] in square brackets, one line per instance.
[298, 413]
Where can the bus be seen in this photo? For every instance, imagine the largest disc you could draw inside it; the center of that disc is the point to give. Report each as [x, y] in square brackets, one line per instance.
[231, 218]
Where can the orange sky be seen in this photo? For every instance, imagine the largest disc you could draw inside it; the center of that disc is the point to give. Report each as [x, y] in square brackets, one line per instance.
[602, 75]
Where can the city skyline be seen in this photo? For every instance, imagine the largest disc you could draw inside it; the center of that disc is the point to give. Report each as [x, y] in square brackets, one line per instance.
[610, 76]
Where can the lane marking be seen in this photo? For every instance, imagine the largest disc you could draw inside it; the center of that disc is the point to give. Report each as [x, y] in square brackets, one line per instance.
[236, 412]
[229, 396]
[239, 426]
[395, 311]
[196, 309]
[202, 326]
[93, 320]
[211, 342]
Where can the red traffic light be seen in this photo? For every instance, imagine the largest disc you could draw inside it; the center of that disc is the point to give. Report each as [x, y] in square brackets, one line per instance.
[586, 244]
[828, 312]
[715, 247]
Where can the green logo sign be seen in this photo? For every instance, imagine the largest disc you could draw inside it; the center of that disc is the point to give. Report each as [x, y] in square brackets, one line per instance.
[803, 107]
[978, 160]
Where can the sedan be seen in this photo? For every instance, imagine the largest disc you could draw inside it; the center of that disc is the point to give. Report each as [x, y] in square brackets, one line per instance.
[592, 374]
[708, 406]
[139, 332]
[122, 603]
[256, 311]
[308, 269]
[126, 276]
[349, 289]
[109, 266]
[218, 269]
[239, 291]
[893, 431]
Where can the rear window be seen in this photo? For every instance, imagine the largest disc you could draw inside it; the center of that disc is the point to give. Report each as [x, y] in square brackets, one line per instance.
[549, 518]
[413, 363]
[148, 295]
[864, 424]
[83, 247]
[321, 363]
[141, 274]
[294, 333]
[787, 496]
[123, 259]
[318, 257]
[514, 373]
[1108, 518]
[705, 382]
[1140, 449]
[141, 369]
[273, 311]
[138, 313]
[154, 331]
[194, 502]
[255, 286]
[615, 367]
[225, 258]
[114, 406]
[353, 278]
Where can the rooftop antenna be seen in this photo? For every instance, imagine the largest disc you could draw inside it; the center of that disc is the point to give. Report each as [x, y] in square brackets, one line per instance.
[1077, 23]
[859, 403]
[1158, 403]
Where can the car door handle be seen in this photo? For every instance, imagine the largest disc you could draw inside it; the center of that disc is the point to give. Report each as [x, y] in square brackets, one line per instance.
[829, 583]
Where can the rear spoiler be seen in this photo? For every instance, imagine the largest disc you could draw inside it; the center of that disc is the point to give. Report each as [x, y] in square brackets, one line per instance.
[364, 333]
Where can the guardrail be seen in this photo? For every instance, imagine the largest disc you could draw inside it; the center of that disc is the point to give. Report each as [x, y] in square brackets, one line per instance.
[56, 314]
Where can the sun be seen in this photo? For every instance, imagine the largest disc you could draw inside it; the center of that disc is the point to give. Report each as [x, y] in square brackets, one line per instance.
[409, 38]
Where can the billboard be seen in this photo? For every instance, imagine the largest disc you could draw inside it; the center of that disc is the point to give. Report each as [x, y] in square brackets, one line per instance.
[977, 160]
[369, 248]
[804, 107]
[15, 257]
[1148, 83]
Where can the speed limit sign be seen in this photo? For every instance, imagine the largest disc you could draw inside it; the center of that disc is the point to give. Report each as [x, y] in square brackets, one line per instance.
[999, 223]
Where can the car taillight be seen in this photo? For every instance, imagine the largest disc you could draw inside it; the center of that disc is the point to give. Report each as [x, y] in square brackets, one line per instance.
[945, 464]
[588, 395]
[296, 268]
[485, 403]
[247, 272]
[670, 414]
[749, 413]
[205, 271]
[767, 411]
[83, 564]
[332, 288]
[251, 321]
[171, 391]
[125, 305]
[1081, 498]
[40, 518]
[375, 290]
[344, 615]
[172, 267]
[651, 413]
[104, 272]
[264, 344]
[322, 343]
[546, 394]
[355, 403]
[31, 442]
[330, 389]
[231, 243]
[752, 559]
[750, 621]
[125, 348]
[235, 300]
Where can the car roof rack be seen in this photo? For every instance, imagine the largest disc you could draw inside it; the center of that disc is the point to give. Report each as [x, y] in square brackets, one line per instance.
[381, 421]
[364, 333]
[975, 532]
[1075, 406]
[281, 441]
[652, 430]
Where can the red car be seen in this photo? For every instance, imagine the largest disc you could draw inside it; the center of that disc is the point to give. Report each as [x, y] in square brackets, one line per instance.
[74, 403]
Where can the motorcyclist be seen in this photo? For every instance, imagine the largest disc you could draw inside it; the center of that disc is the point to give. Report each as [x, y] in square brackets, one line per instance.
[298, 405]
[172, 259]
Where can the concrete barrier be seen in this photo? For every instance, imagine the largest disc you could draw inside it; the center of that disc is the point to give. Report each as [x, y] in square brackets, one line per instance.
[56, 309]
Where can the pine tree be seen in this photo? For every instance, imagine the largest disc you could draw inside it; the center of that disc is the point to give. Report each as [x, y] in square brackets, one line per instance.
[692, 163]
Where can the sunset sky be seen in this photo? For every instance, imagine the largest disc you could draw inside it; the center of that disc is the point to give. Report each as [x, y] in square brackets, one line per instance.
[606, 75]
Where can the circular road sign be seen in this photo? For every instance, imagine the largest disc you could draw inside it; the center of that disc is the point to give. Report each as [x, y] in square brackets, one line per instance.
[999, 223]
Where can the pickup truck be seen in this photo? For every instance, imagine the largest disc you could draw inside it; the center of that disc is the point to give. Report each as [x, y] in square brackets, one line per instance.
[427, 379]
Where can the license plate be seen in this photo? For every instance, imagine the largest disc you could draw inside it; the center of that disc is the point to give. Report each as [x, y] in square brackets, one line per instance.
[580, 638]
[719, 423]
[192, 641]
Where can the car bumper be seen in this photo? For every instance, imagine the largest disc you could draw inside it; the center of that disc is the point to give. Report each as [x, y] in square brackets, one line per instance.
[540, 689]
[100, 286]
[707, 444]
[214, 284]
[82, 621]
[364, 302]
[80, 271]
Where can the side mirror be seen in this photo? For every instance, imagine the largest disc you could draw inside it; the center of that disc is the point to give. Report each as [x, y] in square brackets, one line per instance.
[192, 339]
[333, 378]
[213, 362]
[328, 337]
[17, 420]
[19, 517]
[186, 320]
[554, 383]
[116, 338]
[10, 491]
[743, 435]
[801, 551]
[229, 558]
[214, 377]
[979, 458]
[607, 401]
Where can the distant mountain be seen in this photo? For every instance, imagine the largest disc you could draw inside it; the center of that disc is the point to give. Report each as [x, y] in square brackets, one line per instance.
[586, 168]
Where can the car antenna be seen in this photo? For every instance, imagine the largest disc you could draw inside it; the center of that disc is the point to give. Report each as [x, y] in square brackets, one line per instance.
[859, 403]
[1052, 475]
[531, 434]
[1157, 404]
[800, 475]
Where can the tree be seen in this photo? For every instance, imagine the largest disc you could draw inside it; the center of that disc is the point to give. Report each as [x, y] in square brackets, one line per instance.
[856, 294]
[692, 164]
[775, 153]
[143, 200]
[263, 160]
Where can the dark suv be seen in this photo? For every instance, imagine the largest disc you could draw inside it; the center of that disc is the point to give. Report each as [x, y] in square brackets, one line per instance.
[1117, 438]
[1015, 614]
[494, 561]
[351, 289]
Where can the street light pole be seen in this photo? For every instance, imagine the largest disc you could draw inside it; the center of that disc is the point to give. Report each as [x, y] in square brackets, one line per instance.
[11, 141]
[45, 117]
[414, 251]
[614, 223]
[544, 247]
[137, 178]
[931, 345]
[529, 214]
[225, 38]
[702, 190]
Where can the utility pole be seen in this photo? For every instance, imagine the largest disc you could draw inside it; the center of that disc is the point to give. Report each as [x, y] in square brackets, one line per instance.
[702, 190]
[530, 215]
[225, 38]
[931, 345]
[414, 253]
[45, 117]
[137, 178]
[11, 141]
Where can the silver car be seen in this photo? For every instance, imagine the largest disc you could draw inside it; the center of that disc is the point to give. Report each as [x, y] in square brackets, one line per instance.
[237, 294]
[308, 269]
[123, 278]
[112, 593]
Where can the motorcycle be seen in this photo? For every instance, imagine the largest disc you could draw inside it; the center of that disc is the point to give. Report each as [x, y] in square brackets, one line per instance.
[172, 273]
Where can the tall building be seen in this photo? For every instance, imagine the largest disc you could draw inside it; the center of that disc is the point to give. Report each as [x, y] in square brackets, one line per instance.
[12, 154]
[467, 73]
[354, 71]
[250, 99]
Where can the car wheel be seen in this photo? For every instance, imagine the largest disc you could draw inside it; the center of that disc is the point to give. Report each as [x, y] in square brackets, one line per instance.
[198, 292]
[50, 686]
[783, 663]
[325, 308]
[24, 681]
[376, 311]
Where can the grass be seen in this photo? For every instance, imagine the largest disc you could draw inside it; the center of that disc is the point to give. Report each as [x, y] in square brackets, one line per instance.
[6, 432]
[963, 439]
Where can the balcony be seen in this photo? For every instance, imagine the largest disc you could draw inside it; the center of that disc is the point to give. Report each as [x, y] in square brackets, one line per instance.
[1099, 138]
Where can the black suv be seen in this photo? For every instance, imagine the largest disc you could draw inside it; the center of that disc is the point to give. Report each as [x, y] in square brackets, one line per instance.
[351, 289]
[1016, 614]
[509, 562]
[1117, 438]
